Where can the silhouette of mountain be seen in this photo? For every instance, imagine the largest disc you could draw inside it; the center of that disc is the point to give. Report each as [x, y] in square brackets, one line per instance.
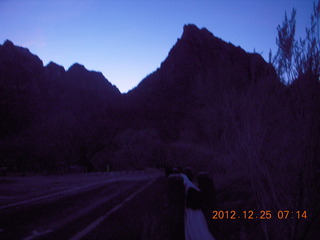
[28, 88]
[21, 79]
[209, 99]
[81, 78]
[44, 108]
[198, 72]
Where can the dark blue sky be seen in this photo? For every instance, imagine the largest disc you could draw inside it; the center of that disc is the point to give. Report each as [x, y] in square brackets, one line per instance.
[128, 39]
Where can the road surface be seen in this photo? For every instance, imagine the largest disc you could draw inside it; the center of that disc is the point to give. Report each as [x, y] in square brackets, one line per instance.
[95, 208]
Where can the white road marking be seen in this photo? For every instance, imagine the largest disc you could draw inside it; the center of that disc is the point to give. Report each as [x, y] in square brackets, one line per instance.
[84, 211]
[94, 224]
[58, 193]
[36, 234]
[46, 196]
[71, 218]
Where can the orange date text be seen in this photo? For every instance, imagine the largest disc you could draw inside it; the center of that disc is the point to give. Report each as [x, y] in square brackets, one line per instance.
[263, 214]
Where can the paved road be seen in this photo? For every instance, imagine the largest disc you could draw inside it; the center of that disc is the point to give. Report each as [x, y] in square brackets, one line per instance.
[75, 212]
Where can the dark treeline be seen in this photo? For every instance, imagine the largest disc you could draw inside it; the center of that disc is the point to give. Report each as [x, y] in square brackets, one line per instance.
[209, 106]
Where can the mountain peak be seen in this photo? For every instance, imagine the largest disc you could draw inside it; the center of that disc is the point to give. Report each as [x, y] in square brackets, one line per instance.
[190, 28]
[8, 43]
[192, 32]
[19, 56]
[77, 67]
[54, 65]
[201, 65]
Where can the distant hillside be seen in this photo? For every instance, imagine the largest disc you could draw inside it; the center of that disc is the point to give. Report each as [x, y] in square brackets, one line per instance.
[49, 114]
[207, 95]
[198, 73]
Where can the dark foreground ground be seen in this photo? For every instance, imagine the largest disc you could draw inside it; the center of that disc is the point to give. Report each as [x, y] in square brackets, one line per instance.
[117, 206]
[120, 206]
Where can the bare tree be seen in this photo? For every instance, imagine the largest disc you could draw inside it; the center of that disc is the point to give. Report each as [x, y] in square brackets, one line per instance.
[297, 58]
[286, 44]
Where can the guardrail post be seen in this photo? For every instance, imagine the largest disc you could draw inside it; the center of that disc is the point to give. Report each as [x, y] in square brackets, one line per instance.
[209, 200]
[176, 200]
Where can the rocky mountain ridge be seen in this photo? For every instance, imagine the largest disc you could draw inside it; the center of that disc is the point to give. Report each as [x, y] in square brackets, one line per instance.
[206, 93]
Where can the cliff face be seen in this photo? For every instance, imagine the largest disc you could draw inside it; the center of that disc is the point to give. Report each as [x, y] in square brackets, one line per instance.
[50, 116]
[21, 76]
[198, 73]
[29, 90]
[81, 78]
[205, 92]
[203, 63]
